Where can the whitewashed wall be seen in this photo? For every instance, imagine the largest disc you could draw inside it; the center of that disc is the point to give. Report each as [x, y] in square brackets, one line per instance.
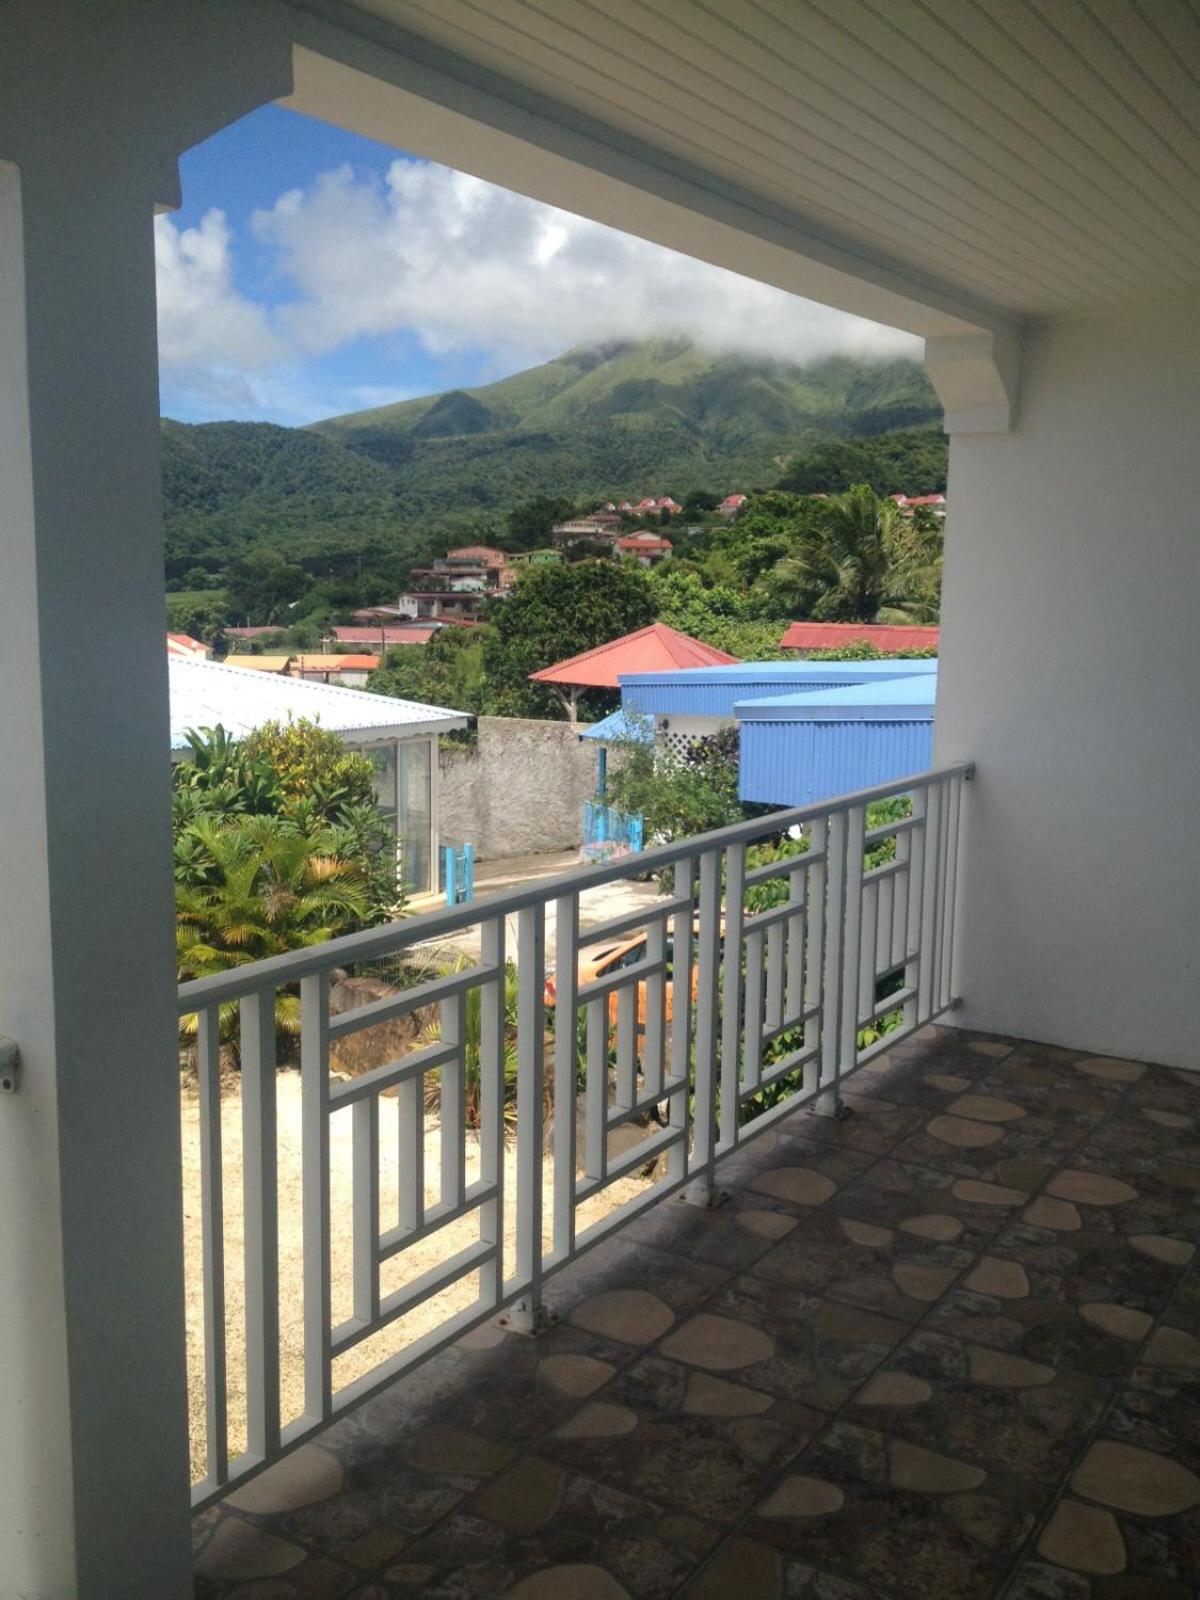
[1070, 649]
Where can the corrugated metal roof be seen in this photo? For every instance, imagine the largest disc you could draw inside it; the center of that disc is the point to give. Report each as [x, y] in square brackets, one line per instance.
[889, 700]
[261, 663]
[657, 647]
[205, 694]
[716, 691]
[618, 726]
[801, 763]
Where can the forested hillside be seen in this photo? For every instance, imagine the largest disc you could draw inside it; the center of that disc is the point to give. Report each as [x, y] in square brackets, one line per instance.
[377, 490]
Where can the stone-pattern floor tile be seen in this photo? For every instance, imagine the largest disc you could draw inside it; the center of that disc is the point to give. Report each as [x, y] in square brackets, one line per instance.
[823, 1349]
[1090, 1294]
[547, 1522]
[911, 1522]
[900, 1275]
[727, 1236]
[948, 1346]
[711, 1466]
[895, 1194]
[988, 1413]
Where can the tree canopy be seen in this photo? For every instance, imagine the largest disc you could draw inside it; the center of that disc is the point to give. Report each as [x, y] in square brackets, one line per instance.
[556, 612]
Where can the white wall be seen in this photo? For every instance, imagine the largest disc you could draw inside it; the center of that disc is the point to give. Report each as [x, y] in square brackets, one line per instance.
[1071, 621]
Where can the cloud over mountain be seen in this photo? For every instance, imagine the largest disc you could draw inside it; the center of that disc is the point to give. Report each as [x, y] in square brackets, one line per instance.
[460, 265]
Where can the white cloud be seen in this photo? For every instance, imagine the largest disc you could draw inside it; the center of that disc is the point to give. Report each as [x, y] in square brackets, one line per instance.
[461, 267]
[460, 263]
[203, 322]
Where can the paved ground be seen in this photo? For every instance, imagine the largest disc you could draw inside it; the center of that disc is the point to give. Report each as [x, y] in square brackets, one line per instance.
[595, 905]
[946, 1348]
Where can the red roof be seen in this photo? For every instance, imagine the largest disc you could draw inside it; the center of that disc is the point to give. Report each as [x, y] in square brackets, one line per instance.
[182, 644]
[653, 649]
[485, 552]
[643, 541]
[390, 634]
[884, 636]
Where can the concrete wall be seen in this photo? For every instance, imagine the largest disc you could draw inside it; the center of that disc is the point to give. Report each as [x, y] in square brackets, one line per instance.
[520, 790]
[1069, 672]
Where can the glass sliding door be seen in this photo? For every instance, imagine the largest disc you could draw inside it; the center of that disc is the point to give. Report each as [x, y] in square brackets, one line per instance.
[414, 773]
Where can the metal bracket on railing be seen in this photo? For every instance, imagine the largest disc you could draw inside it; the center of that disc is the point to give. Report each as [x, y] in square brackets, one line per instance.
[830, 1104]
[530, 1320]
[707, 1196]
[969, 772]
[10, 1066]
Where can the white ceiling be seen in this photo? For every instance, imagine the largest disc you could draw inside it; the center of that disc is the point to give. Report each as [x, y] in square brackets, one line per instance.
[1040, 155]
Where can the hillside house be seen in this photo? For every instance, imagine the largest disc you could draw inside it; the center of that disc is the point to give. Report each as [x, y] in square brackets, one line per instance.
[940, 1340]
[908, 503]
[458, 604]
[645, 548]
[576, 529]
[731, 505]
[350, 671]
[385, 635]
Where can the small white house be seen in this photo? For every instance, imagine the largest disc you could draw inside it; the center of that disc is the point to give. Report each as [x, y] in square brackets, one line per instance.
[399, 737]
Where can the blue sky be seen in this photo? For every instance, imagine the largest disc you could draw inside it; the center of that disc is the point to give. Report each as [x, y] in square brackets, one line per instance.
[310, 272]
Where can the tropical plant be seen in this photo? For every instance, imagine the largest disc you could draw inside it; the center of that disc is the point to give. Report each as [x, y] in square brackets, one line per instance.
[251, 887]
[866, 562]
[311, 763]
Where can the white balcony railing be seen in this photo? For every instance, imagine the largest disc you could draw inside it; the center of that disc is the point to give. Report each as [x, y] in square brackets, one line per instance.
[756, 987]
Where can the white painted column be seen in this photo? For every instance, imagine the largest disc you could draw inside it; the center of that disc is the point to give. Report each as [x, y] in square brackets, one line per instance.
[92, 1388]
[96, 101]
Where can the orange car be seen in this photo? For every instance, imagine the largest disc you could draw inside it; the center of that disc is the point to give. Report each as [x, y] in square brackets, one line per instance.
[600, 960]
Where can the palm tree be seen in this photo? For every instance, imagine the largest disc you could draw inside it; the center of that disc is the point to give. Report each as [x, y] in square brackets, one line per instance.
[251, 887]
[867, 562]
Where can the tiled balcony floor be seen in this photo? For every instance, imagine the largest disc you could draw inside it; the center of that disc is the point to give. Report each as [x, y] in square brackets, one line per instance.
[948, 1347]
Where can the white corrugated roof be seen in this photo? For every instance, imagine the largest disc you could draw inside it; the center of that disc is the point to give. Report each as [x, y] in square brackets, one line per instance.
[206, 693]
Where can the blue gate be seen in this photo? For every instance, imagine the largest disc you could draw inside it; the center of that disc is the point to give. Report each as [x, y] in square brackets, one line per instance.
[458, 874]
[608, 832]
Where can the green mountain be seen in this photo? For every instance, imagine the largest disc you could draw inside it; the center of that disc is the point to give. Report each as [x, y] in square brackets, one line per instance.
[628, 419]
[614, 420]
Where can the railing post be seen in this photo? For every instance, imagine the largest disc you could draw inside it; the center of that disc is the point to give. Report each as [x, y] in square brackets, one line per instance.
[528, 1315]
[566, 974]
[493, 1026]
[852, 953]
[731, 997]
[684, 885]
[708, 968]
[260, 1199]
[314, 1096]
[212, 1207]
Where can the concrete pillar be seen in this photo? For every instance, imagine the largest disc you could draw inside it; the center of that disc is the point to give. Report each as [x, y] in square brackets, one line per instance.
[96, 101]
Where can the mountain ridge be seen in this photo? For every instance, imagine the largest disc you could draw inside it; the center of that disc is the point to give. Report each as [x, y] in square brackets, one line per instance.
[613, 420]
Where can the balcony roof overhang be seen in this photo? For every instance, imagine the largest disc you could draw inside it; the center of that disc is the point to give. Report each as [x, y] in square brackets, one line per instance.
[954, 177]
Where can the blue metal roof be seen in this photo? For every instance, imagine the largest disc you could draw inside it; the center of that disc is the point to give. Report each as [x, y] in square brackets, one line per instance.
[619, 726]
[909, 699]
[798, 749]
[802, 763]
[715, 691]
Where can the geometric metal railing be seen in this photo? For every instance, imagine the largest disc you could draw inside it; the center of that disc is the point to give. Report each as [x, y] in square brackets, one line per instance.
[756, 987]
